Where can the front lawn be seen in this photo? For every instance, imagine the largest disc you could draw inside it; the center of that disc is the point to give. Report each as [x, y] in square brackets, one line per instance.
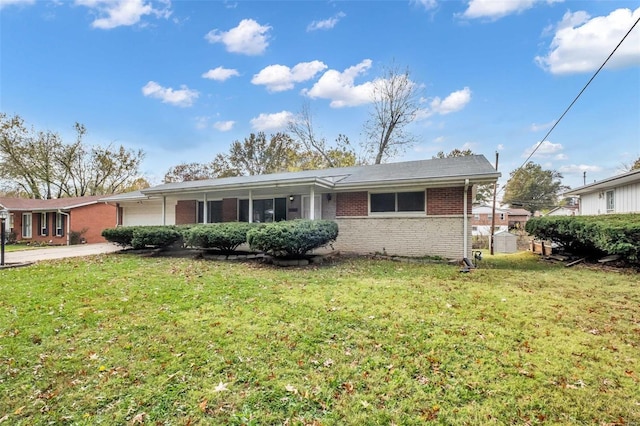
[121, 339]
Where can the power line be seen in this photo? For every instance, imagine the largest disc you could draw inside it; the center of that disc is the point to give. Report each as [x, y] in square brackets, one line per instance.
[574, 100]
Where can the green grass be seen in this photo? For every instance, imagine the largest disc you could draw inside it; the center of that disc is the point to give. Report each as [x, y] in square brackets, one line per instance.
[19, 247]
[121, 339]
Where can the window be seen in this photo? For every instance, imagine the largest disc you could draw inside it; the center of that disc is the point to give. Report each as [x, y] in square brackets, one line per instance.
[214, 211]
[26, 225]
[611, 205]
[397, 202]
[476, 216]
[11, 224]
[59, 225]
[43, 225]
[501, 216]
[264, 211]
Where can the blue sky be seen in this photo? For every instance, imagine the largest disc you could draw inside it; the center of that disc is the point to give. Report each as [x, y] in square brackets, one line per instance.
[182, 80]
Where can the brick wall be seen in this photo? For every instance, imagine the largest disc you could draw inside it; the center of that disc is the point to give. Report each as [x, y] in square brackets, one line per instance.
[229, 209]
[352, 204]
[94, 218]
[438, 236]
[185, 212]
[447, 201]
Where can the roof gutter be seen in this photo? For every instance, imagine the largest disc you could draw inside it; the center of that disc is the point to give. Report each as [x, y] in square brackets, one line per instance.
[281, 183]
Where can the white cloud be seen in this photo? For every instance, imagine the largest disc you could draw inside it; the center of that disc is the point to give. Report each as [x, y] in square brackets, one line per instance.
[183, 97]
[496, 9]
[545, 149]
[439, 139]
[581, 44]
[575, 168]
[326, 24]
[278, 120]
[427, 4]
[220, 74]
[224, 126]
[116, 13]
[500, 147]
[4, 3]
[278, 78]
[340, 87]
[544, 126]
[454, 102]
[248, 38]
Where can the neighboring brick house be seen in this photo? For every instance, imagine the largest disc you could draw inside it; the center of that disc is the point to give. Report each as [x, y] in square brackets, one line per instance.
[413, 208]
[482, 218]
[518, 218]
[51, 221]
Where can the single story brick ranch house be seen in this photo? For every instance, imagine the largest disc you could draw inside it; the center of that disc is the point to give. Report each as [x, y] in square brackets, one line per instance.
[413, 208]
[50, 221]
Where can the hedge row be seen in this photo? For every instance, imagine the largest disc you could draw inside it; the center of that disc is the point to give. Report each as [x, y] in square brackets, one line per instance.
[289, 238]
[292, 238]
[605, 234]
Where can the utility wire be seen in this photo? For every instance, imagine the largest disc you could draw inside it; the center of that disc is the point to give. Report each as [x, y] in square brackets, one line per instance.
[573, 102]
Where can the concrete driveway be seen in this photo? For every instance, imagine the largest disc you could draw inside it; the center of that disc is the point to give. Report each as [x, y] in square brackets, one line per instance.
[35, 255]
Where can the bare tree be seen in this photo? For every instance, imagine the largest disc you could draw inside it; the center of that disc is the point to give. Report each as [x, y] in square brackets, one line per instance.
[395, 105]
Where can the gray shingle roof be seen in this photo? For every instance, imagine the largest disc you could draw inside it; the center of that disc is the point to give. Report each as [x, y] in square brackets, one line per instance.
[473, 167]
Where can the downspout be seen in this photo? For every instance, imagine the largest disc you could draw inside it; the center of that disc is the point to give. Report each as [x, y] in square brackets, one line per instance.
[68, 224]
[465, 225]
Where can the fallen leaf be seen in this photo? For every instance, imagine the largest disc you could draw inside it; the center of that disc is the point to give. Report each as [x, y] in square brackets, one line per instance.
[139, 418]
[291, 389]
[203, 405]
[221, 387]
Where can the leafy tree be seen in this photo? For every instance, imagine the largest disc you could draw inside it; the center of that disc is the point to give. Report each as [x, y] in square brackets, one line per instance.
[395, 105]
[454, 153]
[484, 193]
[533, 188]
[41, 165]
[257, 155]
[189, 171]
[635, 165]
[316, 154]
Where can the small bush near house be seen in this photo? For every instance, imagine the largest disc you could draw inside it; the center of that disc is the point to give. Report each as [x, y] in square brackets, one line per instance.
[607, 234]
[292, 238]
[222, 236]
[155, 236]
[75, 237]
[122, 235]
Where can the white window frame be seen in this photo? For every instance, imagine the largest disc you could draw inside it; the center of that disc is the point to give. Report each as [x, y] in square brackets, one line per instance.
[11, 221]
[43, 224]
[611, 201]
[59, 225]
[27, 231]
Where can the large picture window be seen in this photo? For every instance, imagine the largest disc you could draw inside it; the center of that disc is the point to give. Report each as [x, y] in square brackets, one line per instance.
[264, 211]
[214, 211]
[397, 202]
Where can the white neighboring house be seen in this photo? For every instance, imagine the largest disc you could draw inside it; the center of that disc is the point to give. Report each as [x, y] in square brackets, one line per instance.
[617, 194]
[564, 211]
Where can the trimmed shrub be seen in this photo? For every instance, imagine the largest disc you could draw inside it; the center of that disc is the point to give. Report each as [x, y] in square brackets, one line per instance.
[121, 235]
[222, 236]
[142, 236]
[155, 236]
[606, 234]
[292, 238]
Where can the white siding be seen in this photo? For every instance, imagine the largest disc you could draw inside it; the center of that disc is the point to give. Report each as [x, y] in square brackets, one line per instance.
[148, 212]
[627, 200]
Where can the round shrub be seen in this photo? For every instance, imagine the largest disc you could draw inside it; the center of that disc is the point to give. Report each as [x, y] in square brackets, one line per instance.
[154, 236]
[292, 238]
[222, 236]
